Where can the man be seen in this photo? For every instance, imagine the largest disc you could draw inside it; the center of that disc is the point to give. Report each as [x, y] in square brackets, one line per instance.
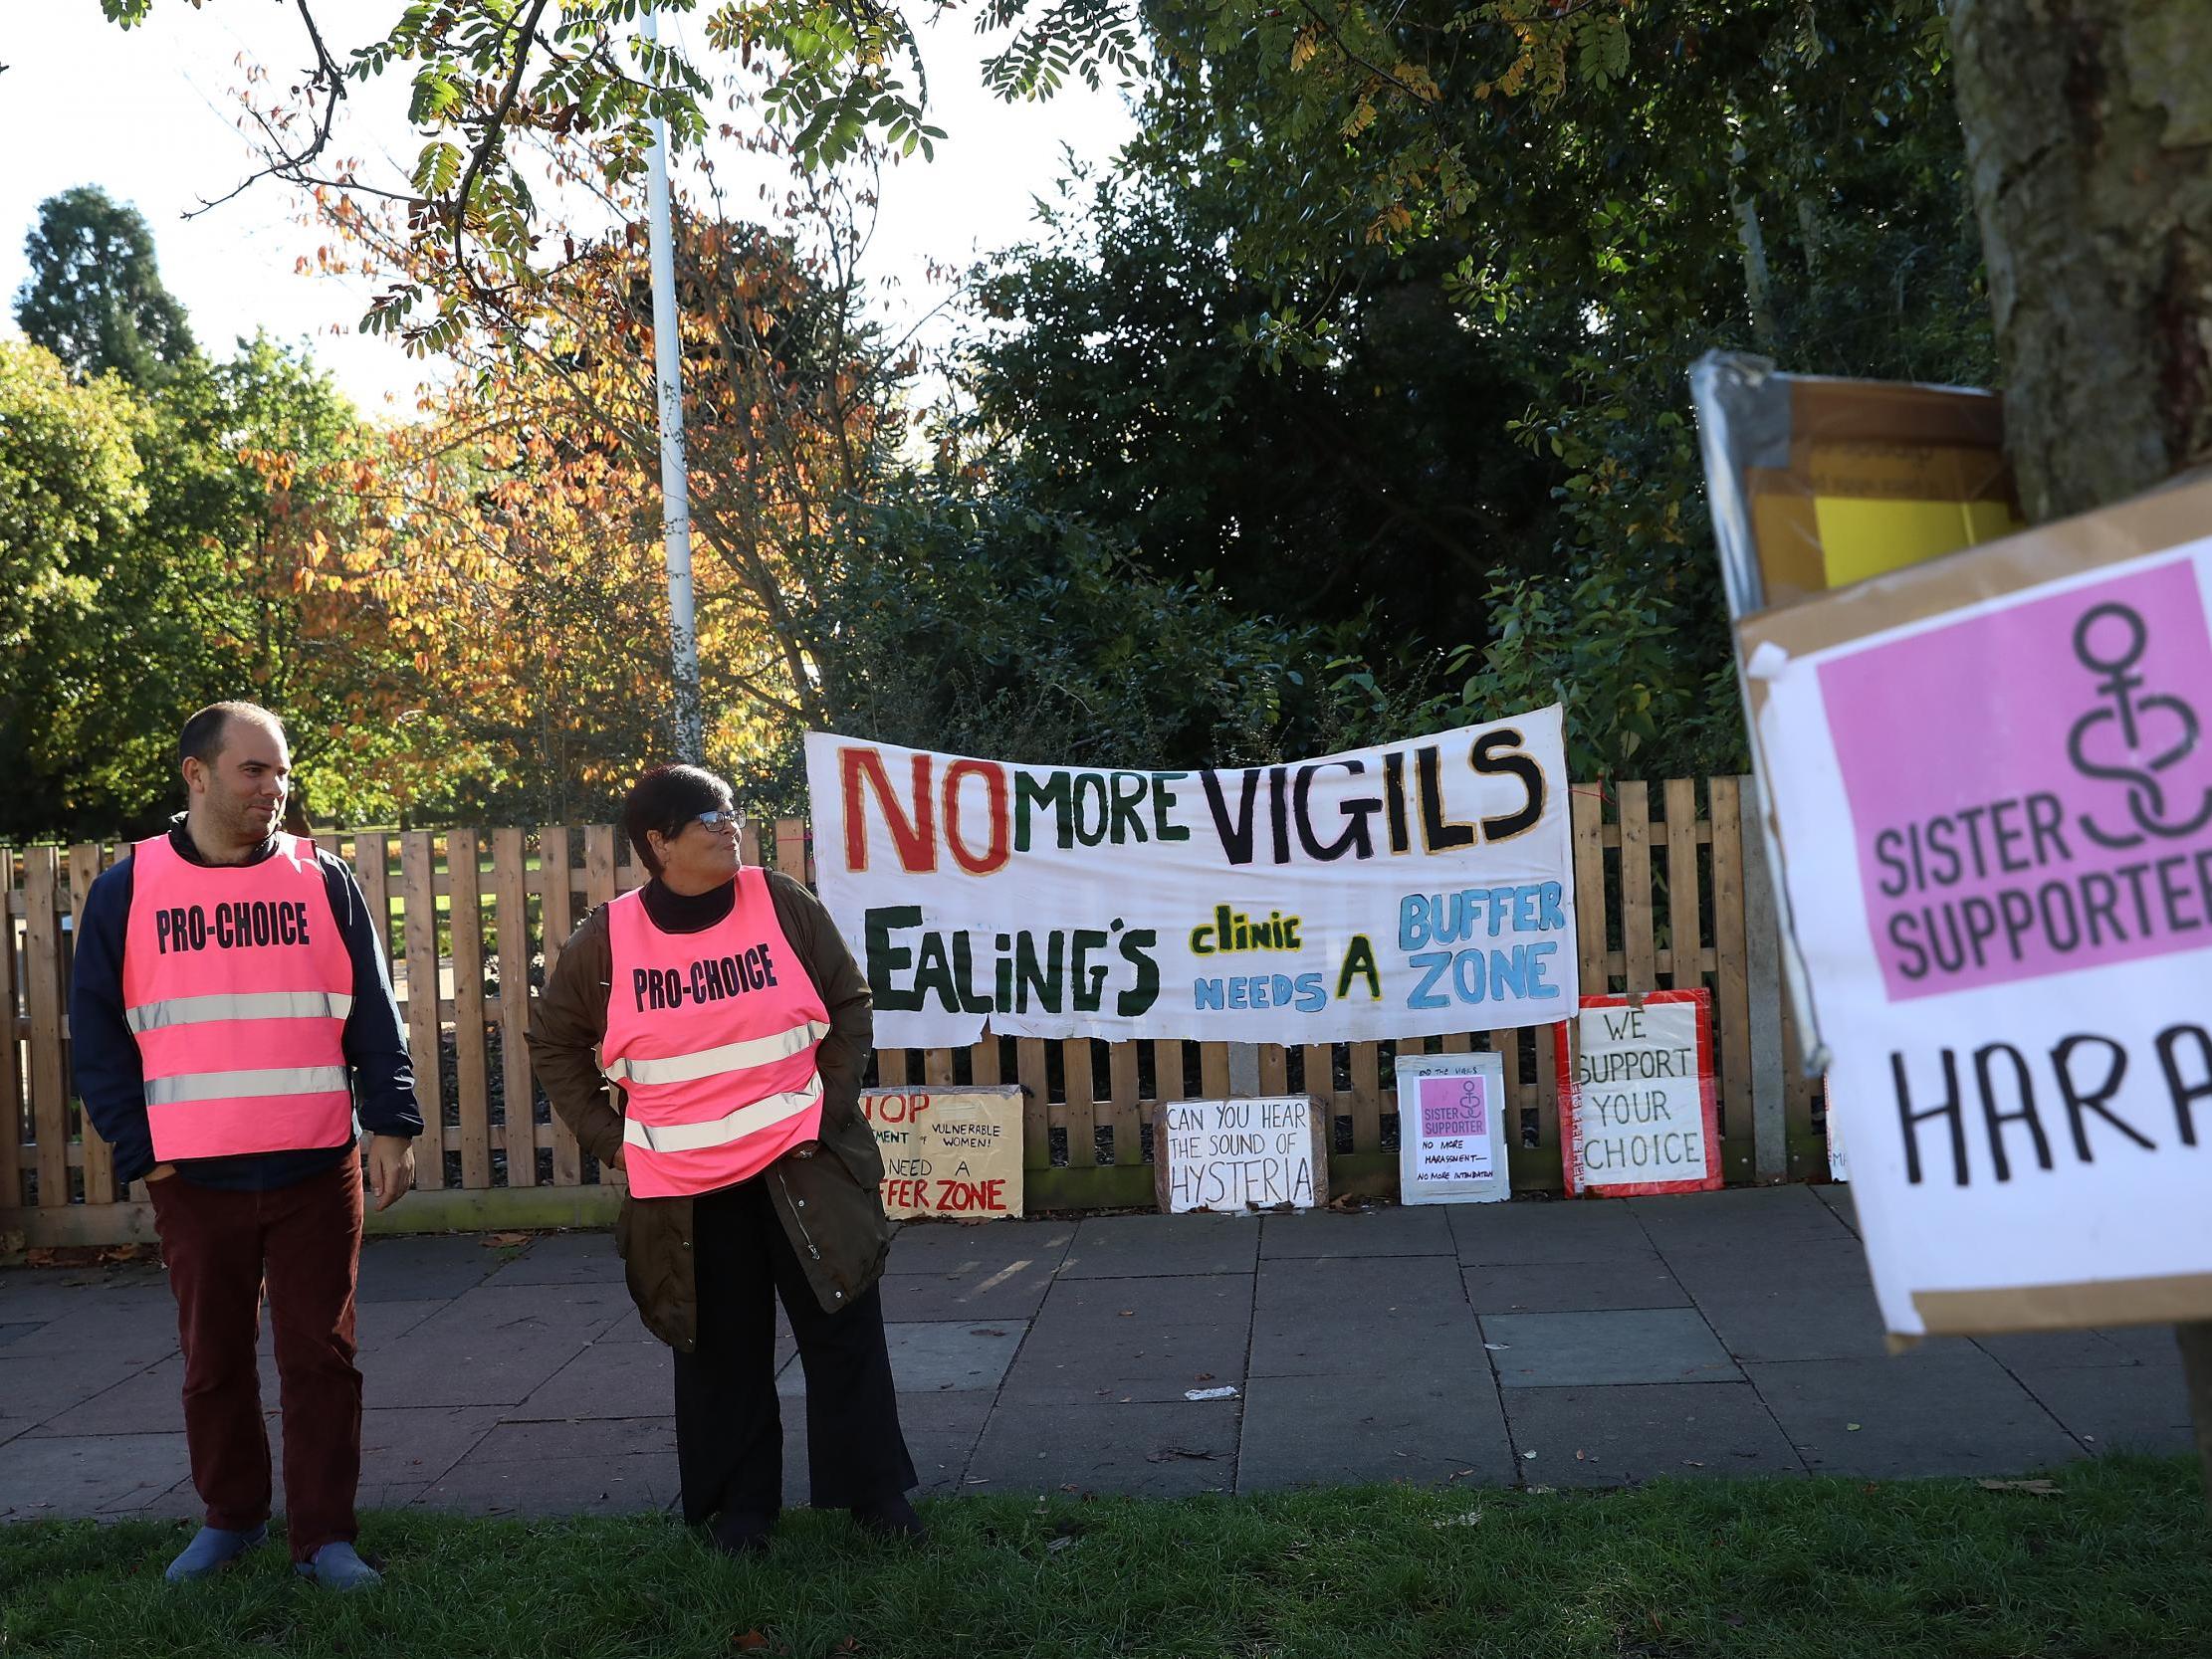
[230, 1013]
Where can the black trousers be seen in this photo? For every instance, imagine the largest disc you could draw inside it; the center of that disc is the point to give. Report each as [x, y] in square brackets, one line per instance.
[729, 1429]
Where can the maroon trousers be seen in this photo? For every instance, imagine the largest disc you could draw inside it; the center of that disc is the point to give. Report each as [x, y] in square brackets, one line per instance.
[304, 1241]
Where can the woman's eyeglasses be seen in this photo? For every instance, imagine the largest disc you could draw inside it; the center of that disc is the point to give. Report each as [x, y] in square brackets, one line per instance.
[713, 820]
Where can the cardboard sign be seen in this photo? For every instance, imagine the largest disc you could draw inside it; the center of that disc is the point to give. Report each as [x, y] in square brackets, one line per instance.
[1241, 1157]
[949, 1152]
[1452, 1118]
[1407, 889]
[1638, 1115]
[1993, 791]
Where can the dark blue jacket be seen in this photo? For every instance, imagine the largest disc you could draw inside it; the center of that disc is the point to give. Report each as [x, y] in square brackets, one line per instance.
[112, 1083]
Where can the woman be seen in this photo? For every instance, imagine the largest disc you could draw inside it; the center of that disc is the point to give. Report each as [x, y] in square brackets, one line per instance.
[735, 1024]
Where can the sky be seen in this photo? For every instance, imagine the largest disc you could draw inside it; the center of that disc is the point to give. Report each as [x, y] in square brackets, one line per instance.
[151, 116]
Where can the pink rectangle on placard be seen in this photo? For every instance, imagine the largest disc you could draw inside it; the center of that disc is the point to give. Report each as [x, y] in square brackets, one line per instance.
[2031, 790]
[1453, 1105]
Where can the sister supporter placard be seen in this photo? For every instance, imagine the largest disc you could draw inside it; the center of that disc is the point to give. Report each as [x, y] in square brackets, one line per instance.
[1992, 784]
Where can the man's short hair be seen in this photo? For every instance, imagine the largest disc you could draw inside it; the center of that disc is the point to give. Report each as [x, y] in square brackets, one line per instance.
[207, 731]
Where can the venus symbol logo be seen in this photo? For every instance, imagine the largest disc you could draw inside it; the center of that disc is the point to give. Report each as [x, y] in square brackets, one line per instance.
[2132, 739]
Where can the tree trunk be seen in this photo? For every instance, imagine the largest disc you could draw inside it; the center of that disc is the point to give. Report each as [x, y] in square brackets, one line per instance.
[2089, 147]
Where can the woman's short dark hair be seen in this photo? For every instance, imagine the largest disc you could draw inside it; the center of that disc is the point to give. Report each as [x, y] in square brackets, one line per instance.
[666, 798]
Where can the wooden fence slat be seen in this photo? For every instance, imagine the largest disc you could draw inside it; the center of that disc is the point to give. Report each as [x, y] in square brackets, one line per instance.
[1685, 932]
[1274, 1069]
[1635, 886]
[419, 922]
[1590, 892]
[1320, 1067]
[1506, 1045]
[891, 1068]
[511, 875]
[1214, 1071]
[372, 875]
[85, 864]
[1367, 1098]
[1547, 1088]
[462, 850]
[43, 1000]
[1082, 1105]
[1125, 1112]
[558, 901]
[601, 882]
[983, 1060]
[791, 849]
[1167, 1068]
[1458, 1042]
[937, 1067]
[1732, 990]
[1037, 1101]
[11, 1045]
[748, 842]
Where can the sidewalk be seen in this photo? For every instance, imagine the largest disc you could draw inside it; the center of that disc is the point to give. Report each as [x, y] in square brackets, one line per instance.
[1540, 1344]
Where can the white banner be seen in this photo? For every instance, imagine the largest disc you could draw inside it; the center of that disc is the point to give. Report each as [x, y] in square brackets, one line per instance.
[1410, 891]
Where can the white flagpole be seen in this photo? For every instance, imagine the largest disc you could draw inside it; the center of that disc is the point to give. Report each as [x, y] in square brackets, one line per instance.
[675, 473]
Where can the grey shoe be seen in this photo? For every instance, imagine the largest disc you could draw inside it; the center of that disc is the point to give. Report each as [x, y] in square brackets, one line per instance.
[338, 1567]
[212, 1548]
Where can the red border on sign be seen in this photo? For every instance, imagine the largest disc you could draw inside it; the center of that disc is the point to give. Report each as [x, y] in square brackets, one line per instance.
[1570, 1165]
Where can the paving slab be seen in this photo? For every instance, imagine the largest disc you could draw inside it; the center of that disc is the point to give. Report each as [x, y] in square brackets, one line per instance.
[2036, 1350]
[2126, 1408]
[1155, 1246]
[412, 1446]
[141, 1331]
[1836, 1197]
[423, 1264]
[1364, 1317]
[9, 1333]
[1943, 1411]
[605, 1380]
[642, 1481]
[1106, 1340]
[1326, 1235]
[475, 1358]
[1524, 1231]
[1423, 1430]
[1593, 1350]
[1570, 1286]
[1004, 1277]
[1736, 1215]
[1146, 1449]
[1801, 1300]
[954, 1247]
[942, 1431]
[81, 1474]
[35, 1388]
[2148, 1344]
[38, 1294]
[607, 1437]
[1616, 1436]
[563, 1259]
[933, 1358]
[146, 1402]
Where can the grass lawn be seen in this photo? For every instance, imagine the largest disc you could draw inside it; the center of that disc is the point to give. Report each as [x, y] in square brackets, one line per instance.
[2119, 1564]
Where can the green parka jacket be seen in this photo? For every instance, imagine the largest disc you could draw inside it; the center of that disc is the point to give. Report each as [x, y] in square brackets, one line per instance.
[827, 1193]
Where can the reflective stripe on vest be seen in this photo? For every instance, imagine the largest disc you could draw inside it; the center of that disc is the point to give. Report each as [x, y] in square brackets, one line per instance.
[239, 1005]
[711, 1036]
[730, 1057]
[721, 1132]
[246, 1085]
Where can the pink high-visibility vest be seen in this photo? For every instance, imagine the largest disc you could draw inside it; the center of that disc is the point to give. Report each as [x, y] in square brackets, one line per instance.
[712, 1038]
[236, 983]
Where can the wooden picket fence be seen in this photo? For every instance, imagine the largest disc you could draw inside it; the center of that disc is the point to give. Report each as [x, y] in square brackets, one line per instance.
[472, 920]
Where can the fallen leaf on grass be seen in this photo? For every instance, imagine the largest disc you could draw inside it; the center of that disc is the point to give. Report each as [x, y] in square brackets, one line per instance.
[2042, 1489]
[503, 1241]
[748, 1641]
